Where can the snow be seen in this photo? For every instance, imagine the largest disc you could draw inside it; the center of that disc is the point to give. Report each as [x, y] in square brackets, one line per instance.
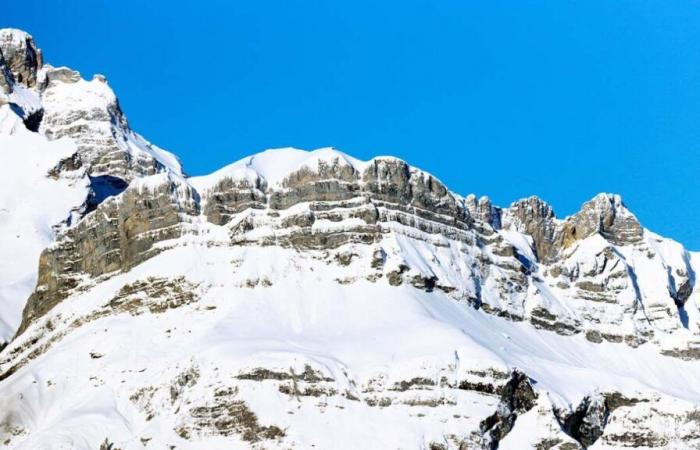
[81, 94]
[14, 36]
[30, 205]
[10, 122]
[137, 144]
[521, 242]
[96, 96]
[535, 426]
[356, 333]
[267, 306]
[274, 165]
[278, 308]
[26, 99]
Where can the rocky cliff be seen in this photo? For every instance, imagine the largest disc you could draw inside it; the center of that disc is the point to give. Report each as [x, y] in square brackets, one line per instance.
[300, 299]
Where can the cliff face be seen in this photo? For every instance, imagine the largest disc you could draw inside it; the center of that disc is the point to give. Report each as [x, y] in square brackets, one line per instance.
[20, 56]
[296, 299]
[579, 275]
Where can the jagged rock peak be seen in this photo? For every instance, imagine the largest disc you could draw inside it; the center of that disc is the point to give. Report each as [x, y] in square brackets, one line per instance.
[484, 210]
[531, 208]
[535, 217]
[90, 114]
[57, 102]
[606, 214]
[21, 55]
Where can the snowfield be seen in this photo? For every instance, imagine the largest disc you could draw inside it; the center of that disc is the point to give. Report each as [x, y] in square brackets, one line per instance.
[365, 336]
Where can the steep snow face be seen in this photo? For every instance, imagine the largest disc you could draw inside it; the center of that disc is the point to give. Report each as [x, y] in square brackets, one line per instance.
[32, 205]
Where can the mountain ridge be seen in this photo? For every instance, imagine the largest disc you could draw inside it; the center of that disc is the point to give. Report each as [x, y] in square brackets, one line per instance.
[295, 299]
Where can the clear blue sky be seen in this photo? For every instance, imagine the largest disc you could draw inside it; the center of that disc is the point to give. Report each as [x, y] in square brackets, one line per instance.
[562, 99]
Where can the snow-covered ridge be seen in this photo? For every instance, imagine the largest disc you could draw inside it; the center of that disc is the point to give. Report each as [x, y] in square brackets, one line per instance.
[14, 36]
[275, 165]
[89, 112]
[324, 199]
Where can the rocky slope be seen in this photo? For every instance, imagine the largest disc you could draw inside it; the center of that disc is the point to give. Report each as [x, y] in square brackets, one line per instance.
[300, 299]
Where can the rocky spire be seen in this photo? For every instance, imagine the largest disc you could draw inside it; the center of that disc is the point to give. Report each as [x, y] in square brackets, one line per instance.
[483, 210]
[606, 214]
[535, 217]
[21, 56]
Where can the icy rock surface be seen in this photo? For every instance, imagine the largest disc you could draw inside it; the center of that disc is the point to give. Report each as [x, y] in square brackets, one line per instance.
[308, 299]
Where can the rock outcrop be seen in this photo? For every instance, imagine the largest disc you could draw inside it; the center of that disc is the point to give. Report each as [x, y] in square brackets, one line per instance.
[89, 113]
[535, 218]
[483, 210]
[117, 236]
[607, 215]
[22, 57]
[6, 80]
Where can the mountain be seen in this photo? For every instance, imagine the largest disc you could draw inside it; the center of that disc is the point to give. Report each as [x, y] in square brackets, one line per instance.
[308, 299]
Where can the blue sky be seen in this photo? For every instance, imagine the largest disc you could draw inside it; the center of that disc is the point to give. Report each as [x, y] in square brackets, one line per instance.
[562, 99]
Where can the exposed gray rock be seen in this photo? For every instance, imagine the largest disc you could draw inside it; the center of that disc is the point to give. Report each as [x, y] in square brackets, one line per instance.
[6, 80]
[22, 57]
[393, 181]
[483, 210]
[358, 220]
[650, 422]
[118, 235]
[536, 218]
[517, 397]
[98, 127]
[587, 422]
[229, 197]
[606, 214]
[57, 75]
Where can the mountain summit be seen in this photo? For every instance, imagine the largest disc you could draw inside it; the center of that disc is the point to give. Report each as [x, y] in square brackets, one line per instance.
[309, 299]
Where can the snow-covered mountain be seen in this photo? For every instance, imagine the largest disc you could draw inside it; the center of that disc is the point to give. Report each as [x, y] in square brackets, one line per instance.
[307, 299]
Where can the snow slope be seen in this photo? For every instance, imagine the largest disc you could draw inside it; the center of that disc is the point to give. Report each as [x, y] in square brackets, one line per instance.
[31, 204]
[365, 336]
